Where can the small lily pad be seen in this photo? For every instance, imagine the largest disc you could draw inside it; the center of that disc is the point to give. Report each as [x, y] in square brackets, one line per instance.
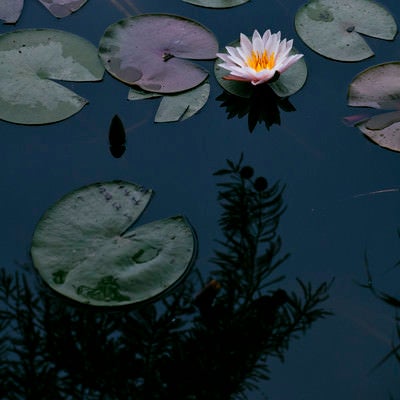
[379, 87]
[176, 107]
[149, 51]
[29, 59]
[216, 3]
[63, 8]
[84, 249]
[290, 82]
[332, 28]
[10, 10]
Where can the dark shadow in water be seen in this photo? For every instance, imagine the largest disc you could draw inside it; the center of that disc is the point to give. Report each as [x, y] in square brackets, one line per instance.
[391, 301]
[263, 106]
[213, 345]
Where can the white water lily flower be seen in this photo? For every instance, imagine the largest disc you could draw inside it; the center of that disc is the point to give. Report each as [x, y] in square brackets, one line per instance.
[258, 60]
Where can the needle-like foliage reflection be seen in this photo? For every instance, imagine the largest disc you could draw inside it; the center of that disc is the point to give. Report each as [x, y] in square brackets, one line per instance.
[215, 344]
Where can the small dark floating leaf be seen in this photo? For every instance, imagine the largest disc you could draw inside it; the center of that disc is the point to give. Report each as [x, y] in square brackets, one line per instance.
[149, 50]
[117, 137]
[332, 28]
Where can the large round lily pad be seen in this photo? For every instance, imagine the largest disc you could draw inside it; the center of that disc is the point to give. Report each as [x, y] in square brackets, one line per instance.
[332, 28]
[150, 51]
[84, 249]
[290, 82]
[379, 87]
[29, 59]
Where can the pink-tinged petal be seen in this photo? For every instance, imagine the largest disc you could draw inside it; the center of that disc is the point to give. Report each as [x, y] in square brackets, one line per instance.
[266, 36]
[235, 56]
[258, 45]
[246, 46]
[256, 36]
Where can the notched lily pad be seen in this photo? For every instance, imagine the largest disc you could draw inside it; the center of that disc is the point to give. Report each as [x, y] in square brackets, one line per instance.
[63, 8]
[84, 249]
[332, 28]
[379, 87]
[290, 82]
[178, 106]
[10, 10]
[216, 3]
[29, 60]
[150, 51]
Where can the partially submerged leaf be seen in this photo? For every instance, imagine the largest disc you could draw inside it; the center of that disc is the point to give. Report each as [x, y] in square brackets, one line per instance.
[181, 106]
[332, 28]
[29, 59]
[379, 87]
[216, 3]
[178, 106]
[83, 247]
[149, 51]
[63, 8]
[10, 10]
[291, 81]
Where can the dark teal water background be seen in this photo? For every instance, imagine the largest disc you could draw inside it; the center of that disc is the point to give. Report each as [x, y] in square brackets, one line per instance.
[333, 218]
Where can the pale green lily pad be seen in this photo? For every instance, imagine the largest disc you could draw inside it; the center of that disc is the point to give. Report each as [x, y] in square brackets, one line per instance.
[216, 3]
[84, 249]
[290, 82]
[175, 107]
[379, 87]
[332, 28]
[29, 59]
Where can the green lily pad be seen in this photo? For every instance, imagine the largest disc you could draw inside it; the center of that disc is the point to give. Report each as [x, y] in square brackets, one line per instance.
[176, 107]
[216, 3]
[63, 8]
[290, 82]
[332, 28]
[29, 59]
[151, 51]
[10, 10]
[84, 249]
[379, 87]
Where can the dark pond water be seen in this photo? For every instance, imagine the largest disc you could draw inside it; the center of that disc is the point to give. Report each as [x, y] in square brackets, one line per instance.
[341, 194]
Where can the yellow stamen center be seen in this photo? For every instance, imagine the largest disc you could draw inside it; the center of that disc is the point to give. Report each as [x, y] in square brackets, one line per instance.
[259, 61]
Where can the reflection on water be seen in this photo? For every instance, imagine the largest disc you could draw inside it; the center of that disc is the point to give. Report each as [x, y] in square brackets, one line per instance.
[263, 105]
[214, 345]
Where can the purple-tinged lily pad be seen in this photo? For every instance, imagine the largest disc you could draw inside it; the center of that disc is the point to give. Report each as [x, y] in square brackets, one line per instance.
[379, 87]
[10, 10]
[149, 51]
[62, 8]
[216, 3]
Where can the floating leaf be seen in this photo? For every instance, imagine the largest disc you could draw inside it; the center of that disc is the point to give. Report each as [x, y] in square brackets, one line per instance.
[379, 87]
[148, 50]
[291, 81]
[181, 106]
[332, 28]
[178, 106]
[63, 8]
[117, 137]
[10, 10]
[29, 59]
[216, 3]
[83, 247]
